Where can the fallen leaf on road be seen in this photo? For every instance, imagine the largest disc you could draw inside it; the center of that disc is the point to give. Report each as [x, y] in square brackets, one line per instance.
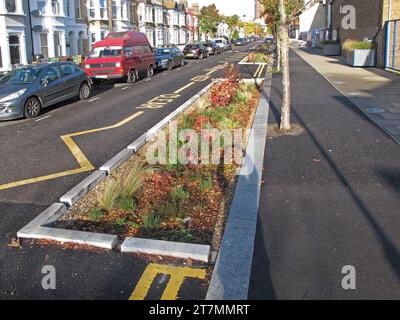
[15, 243]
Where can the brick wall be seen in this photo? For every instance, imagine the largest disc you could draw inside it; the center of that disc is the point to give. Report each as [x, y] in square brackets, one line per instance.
[368, 18]
[395, 12]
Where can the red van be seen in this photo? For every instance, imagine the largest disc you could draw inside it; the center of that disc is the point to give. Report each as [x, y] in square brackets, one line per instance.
[121, 55]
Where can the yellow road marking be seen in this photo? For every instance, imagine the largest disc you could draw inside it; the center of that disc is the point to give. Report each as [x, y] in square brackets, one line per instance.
[261, 71]
[184, 88]
[85, 164]
[256, 73]
[177, 276]
[83, 161]
[42, 178]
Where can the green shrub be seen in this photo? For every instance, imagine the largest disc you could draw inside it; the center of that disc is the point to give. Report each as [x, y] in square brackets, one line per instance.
[152, 221]
[206, 184]
[96, 214]
[350, 45]
[179, 194]
[188, 121]
[126, 204]
[228, 123]
[134, 180]
[110, 195]
[120, 221]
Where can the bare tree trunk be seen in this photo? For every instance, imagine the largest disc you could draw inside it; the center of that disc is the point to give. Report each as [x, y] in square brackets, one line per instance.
[278, 51]
[110, 15]
[284, 39]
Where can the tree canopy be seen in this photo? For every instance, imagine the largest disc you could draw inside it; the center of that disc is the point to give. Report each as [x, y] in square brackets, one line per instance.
[271, 10]
[209, 19]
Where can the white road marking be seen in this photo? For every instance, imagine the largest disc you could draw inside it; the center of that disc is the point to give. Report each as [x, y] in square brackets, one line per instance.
[94, 99]
[46, 117]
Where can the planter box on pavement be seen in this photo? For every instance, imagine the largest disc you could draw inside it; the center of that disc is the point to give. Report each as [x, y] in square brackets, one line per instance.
[361, 58]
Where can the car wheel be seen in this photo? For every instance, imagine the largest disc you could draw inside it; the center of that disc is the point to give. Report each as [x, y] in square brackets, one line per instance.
[132, 77]
[150, 72]
[32, 108]
[170, 65]
[84, 91]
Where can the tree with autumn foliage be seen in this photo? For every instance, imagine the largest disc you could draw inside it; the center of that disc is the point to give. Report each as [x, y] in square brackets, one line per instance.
[279, 14]
[233, 23]
[209, 19]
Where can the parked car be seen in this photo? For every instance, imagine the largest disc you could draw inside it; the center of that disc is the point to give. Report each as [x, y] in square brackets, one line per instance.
[25, 91]
[239, 42]
[124, 55]
[213, 48]
[221, 42]
[195, 51]
[168, 58]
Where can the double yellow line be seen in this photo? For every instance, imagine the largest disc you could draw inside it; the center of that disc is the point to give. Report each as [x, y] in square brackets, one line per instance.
[259, 71]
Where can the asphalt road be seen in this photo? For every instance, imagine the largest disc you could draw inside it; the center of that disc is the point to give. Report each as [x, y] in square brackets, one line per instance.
[32, 150]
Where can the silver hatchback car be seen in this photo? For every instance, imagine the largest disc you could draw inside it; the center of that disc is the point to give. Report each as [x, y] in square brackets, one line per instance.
[26, 90]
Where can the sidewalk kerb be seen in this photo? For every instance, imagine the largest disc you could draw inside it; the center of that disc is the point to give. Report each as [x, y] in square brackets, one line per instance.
[231, 276]
[76, 193]
[116, 161]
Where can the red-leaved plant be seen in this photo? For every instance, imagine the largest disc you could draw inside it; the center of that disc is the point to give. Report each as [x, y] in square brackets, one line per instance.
[222, 93]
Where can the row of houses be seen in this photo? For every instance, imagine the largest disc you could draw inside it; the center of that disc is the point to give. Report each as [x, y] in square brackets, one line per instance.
[373, 20]
[56, 28]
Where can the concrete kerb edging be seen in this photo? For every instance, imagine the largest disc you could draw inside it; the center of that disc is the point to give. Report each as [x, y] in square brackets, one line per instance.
[231, 276]
[174, 249]
[38, 227]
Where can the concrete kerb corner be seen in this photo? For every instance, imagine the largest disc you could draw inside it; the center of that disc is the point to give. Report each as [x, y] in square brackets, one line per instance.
[231, 276]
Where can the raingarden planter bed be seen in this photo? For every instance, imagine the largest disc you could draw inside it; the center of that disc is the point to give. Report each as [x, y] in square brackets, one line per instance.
[362, 58]
[204, 191]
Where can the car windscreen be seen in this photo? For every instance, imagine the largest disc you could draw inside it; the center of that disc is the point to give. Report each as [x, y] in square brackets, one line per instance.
[20, 76]
[218, 41]
[163, 52]
[100, 52]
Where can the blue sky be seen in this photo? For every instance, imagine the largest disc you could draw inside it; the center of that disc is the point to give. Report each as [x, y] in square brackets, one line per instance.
[230, 7]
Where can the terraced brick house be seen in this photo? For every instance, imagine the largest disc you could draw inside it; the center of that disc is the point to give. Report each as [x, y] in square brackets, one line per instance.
[146, 19]
[192, 25]
[172, 22]
[58, 27]
[183, 32]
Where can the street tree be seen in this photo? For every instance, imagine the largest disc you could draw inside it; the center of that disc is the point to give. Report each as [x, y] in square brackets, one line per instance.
[279, 14]
[233, 24]
[209, 19]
